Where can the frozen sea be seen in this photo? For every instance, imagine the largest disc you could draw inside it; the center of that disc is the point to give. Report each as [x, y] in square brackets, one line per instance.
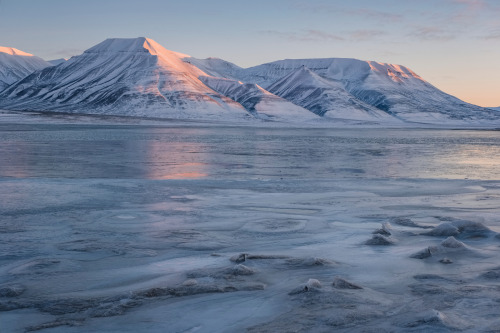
[191, 227]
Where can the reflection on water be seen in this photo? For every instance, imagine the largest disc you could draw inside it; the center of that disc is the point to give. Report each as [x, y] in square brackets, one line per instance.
[183, 175]
[174, 160]
[82, 248]
[148, 152]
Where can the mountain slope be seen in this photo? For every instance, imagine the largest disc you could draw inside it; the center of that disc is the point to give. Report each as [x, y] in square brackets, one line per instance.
[326, 98]
[259, 101]
[391, 88]
[138, 77]
[123, 76]
[15, 65]
[216, 67]
[59, 61]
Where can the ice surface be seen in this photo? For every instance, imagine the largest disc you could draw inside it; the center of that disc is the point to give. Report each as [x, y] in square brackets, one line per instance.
[186, 227]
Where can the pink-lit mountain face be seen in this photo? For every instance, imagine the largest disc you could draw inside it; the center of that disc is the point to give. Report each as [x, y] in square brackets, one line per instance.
[135, 77]
[393, 89]
[139, 77]
[15, 65]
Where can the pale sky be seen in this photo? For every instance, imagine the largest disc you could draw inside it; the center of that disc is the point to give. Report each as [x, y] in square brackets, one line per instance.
[453, 44]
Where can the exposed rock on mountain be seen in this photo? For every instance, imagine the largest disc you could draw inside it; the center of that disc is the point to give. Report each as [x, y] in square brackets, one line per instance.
[138, 77]
[259, 101]
[126, 77]
[326, 98]
[15, 65]
[393, 89]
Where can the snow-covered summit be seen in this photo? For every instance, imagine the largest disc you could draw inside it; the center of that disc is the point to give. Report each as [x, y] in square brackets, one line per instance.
[331, 68]
[13, 51]
[132, 45]
[134, 76]
[397, 73]
[16, 64]
[394, 89]
[139, 77]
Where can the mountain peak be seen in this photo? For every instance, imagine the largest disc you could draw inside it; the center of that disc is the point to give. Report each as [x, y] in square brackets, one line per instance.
[13, 51]
[132, 45]
[137, 76]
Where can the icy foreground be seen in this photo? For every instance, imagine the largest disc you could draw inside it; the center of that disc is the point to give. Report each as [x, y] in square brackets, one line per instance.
[138, 77]
[135, 228]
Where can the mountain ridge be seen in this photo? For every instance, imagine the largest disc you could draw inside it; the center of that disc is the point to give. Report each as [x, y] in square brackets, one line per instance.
[139, 77]
[13, 51]
[121, 76]
[16, 64]
[394, 89]
[326, 98]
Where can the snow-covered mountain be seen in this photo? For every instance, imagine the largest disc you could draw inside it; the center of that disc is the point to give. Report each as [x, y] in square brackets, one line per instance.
[326, 98]
[56, 62]
[16, 64]
[259, 101]
[139, 77]
[394, 89]
[123, 76]
[216, 67]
